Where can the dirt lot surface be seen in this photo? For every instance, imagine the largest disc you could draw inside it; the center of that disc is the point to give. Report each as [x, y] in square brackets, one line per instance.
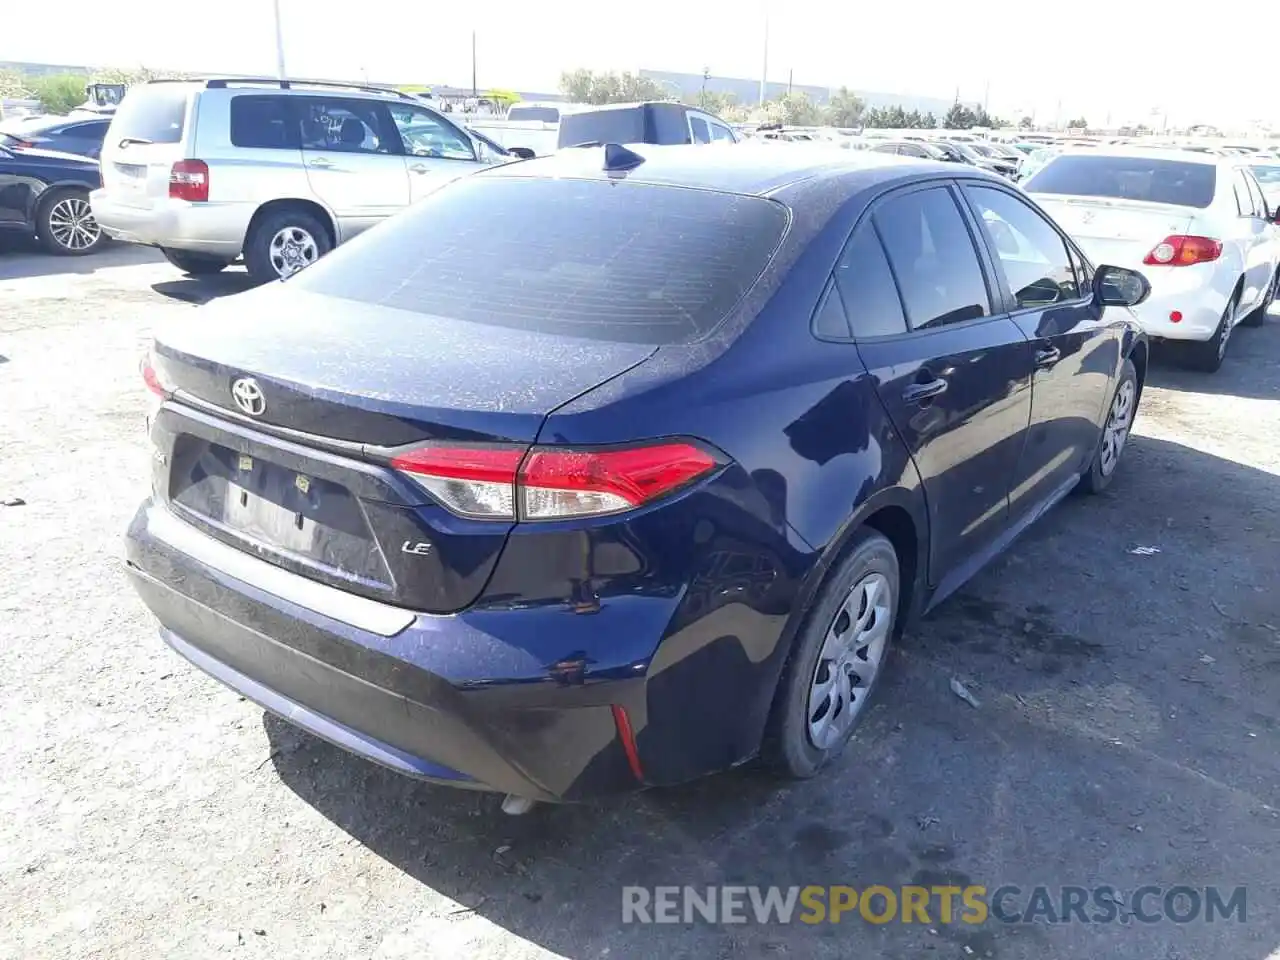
[1127, 732]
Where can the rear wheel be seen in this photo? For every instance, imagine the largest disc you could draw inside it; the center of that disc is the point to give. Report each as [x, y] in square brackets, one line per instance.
[65, 224]
[196, 264]
[282, 243]
[1208, 356]
[837, 659]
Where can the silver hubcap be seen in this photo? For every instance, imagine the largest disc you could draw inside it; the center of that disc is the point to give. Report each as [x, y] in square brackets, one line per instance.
[850, 659]
[292, 249]
[71, 224]
[1117, 428]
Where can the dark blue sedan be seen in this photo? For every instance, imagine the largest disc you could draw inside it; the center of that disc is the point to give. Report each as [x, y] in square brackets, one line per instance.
[614, 469]
[46, 194]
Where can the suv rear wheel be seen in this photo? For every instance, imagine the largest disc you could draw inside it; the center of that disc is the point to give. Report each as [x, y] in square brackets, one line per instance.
[196, 264]
[65, 224]
[283, 242]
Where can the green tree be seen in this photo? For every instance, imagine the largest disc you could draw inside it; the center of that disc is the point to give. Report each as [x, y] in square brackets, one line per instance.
[960, 117]
[584, 86]
[929, 121]
[845, 109]
[1079, 123]
[59, 92]
[14, 84]
[1026, 123]
[714, 102]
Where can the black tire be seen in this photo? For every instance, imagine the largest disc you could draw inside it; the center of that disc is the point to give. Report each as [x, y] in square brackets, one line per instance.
[1258, 316]
[195, 264]
[258, 256]
[1102, 469]
[1207, 357]
[788, 747]
[52, 217]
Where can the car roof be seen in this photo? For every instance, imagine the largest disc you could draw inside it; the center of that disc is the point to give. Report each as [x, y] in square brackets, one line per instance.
[753, 170]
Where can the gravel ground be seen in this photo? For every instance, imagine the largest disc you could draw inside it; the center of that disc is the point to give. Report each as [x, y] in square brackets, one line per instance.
[1127, 732]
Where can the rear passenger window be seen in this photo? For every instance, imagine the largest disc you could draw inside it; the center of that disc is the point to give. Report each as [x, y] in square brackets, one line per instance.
[867, 288]
[830, 320]
[262, 122]
[701, 133]
[933, 258]
[1031, 253]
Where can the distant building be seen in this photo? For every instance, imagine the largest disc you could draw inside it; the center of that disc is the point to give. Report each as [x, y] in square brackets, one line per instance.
[687, 86]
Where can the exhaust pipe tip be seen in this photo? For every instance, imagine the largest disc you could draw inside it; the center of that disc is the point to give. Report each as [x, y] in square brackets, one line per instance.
[516, 806]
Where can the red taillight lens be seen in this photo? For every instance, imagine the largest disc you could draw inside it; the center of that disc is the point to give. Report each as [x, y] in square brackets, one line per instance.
[574, 483]
[1180, 251]
[552, 483]
[189, 180]
[151, 378]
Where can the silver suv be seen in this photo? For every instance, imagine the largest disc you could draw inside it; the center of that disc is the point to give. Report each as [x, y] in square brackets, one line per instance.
[277, 171]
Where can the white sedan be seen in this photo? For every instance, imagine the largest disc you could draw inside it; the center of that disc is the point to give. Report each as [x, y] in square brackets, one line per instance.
[1196, 225]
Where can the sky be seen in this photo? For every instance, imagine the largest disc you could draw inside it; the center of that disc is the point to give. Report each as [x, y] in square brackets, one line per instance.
[1127, 60]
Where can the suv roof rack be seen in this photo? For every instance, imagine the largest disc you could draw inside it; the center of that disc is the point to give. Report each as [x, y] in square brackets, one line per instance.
[221, 83]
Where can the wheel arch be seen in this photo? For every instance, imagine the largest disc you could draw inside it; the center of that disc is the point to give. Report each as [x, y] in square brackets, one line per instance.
[311, 207]
[40, 197]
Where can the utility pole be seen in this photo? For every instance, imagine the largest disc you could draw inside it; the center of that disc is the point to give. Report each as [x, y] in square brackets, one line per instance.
[279, 41]
[475, 90]
[706, 75]
[790, 76]
[764, 68]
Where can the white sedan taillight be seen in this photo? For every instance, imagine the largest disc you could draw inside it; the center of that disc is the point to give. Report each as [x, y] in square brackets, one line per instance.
[553, 483]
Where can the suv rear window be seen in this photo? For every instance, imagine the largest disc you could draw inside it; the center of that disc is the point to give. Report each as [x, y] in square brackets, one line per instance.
[629, 262]
[154, 112]
[603, 126]
[1178, 182]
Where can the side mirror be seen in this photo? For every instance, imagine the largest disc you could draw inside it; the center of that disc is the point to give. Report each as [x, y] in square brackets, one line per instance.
[1120, 287]
[524, 153]
[1274, 216]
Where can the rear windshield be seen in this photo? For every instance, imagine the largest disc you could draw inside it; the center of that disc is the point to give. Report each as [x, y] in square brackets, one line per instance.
[603, 126]
[542, 114]
[628, 262]
[1177, 182]
[154, 112]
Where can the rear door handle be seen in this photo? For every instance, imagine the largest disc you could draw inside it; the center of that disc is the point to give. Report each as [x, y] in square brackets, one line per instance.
[1047, 357]
[924, 391]
[420, 168]
[322, 163]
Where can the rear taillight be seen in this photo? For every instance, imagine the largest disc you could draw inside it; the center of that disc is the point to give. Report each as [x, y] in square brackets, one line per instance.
[553, 483]
[189, 180]
[1180, 251]
[156, 388]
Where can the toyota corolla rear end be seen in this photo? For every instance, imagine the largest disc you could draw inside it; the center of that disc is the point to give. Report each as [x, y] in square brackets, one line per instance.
[365, 519]
[1153, 214]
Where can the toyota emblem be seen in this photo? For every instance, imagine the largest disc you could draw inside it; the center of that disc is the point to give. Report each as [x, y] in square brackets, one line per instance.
[248, 396]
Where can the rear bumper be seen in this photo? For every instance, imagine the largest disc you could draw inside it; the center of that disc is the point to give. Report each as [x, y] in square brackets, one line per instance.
[217, 229]
[1188, 291]
[382, 683]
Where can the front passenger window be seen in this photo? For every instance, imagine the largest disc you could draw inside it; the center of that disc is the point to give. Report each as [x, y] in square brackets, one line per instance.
[1032, 254]
[698, 127]
[933, 258]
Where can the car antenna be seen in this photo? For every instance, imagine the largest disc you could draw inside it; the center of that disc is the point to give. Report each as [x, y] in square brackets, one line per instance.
[618, 157]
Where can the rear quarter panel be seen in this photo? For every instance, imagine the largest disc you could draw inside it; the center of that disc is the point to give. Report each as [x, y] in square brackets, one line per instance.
[812, 453]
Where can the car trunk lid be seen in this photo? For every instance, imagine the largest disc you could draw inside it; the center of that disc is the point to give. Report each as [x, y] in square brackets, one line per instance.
[1117, 232]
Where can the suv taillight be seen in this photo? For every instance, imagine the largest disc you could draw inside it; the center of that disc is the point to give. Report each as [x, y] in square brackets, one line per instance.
[1180, 251]
[553, 483]
[189, 180]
